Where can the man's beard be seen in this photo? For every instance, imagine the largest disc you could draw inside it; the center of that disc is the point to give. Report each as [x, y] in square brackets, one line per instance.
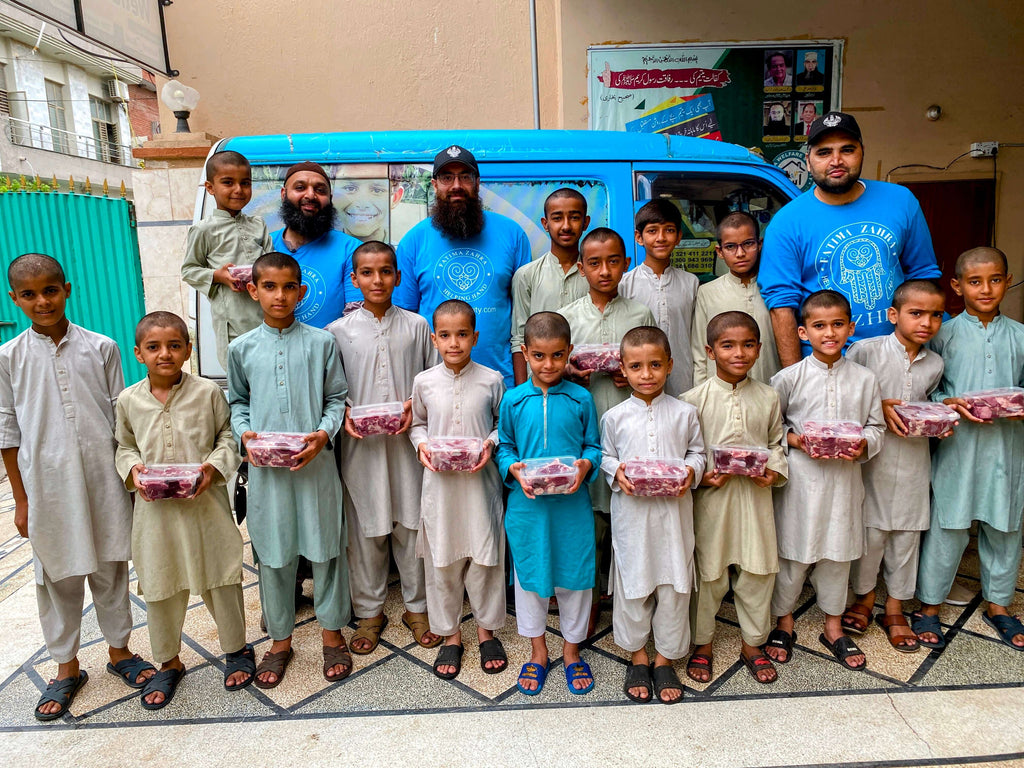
[837, 187]
[308, 227]
[459, 219]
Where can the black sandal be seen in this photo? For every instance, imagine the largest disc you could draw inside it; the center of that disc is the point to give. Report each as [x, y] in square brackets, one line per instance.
[166, 682]
[449, 656]
[63, 692]
[782, 640]
[843, 648]
[493, 650]
[240, 661]
[638, 676]
[666, 679]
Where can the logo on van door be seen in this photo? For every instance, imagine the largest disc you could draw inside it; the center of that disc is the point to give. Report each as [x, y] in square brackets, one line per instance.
[464, 273]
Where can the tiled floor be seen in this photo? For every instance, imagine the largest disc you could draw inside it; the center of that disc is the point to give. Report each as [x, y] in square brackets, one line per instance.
[396, 680]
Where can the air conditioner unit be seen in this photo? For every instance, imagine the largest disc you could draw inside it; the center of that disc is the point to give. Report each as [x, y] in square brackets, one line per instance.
[117, 91]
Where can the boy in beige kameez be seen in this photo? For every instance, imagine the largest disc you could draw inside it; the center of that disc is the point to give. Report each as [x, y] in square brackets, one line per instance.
[733, 518]
[462, 535]
[58, 386]
[739, 246]
[225, 239]
[182, 546]
[383, 348]
[819, 513]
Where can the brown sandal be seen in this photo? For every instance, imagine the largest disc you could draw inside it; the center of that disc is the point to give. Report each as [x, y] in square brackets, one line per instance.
[335, 655]
[903, 643]
[857, 618]
[275, 663]
[369, 630]
[419, 625]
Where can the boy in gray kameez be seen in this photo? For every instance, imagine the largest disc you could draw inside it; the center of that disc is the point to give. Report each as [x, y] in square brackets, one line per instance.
[58, 386]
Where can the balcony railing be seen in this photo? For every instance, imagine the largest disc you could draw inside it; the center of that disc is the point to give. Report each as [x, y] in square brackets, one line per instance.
[28, 134]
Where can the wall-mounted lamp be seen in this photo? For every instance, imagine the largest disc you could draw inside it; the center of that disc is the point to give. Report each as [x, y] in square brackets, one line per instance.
[181, 100]
[933, 113]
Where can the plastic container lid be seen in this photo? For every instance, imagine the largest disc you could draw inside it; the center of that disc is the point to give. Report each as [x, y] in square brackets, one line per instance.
[833, 428]
[452, 453]
[650, 467]
[550, 475]
[995, 403]
[749, 460]
[170, 481]
[377, 418]
[275, 449]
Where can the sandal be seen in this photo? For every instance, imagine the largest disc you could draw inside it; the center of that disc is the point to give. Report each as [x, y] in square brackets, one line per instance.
[166, 682]
[63, 692]
[240, 661]
[779, 638]
[276, 663]
[759, 663]
[922, 623]
[1006, 627]
[532, 671]
[419, 625]
[369, 630]
[579, 670]
[902, 643]
[666, 679]
[857, 618]
[638, 676]
[493, 650]
[449, 656]
[337, 655]
[702, 662]
[129, 669]
[843, 648]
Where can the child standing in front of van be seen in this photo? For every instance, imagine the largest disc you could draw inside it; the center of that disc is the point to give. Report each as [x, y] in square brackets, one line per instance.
[225, 239]
[669, 292]
[553, 280]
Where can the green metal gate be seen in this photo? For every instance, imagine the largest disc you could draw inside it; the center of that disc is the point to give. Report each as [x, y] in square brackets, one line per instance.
[96, 241]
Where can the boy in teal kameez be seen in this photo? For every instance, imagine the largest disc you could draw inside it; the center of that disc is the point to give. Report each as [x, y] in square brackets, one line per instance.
[287, 377]
[978, 472]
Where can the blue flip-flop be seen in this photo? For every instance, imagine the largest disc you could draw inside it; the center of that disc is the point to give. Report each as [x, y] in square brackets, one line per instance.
[1006, 627]
[579, 671]
[533, 671]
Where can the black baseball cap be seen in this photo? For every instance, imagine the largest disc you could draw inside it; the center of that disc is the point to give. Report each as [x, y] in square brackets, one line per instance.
[455, 154]
[833, 121]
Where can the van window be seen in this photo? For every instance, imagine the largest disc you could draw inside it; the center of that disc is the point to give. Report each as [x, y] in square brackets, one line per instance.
[704, 199]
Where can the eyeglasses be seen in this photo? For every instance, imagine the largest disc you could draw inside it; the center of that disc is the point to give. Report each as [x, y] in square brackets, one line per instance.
[732, 248]
[446, 179]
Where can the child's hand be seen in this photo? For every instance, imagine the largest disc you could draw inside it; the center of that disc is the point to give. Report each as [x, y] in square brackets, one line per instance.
[855, 453]
[246, 437]
[424, 456]
[485, 456]
[583, 466]
[406, 416]
[21, 517]
[224, 278]
[350, 427]
[793, 440]
[578, 375]
[514, 470]
[315, 442]
[135, 479]
[767, 479]
[619, 379]
[623, 481]
[959, 405]
[209, 472]
[713, 479]
[892, 419]
[690, 475]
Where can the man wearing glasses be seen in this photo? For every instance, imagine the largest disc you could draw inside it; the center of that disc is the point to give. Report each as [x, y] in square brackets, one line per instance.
[464, 252]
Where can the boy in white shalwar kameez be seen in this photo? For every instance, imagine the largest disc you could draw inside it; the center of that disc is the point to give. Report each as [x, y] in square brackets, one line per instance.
[896, 481]
[382, 348]
[58, 386]
[819, 516]
[652, 537]
[462, 535]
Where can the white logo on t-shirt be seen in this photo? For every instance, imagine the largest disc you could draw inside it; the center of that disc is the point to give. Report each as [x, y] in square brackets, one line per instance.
[316, 295]
[464, 273]
[861, 261]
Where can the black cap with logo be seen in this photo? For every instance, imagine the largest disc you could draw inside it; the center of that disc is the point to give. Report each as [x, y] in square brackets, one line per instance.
[455, 154]
[833, 121]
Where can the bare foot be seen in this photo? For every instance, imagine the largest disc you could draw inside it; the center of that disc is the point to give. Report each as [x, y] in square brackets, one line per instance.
[157, 697]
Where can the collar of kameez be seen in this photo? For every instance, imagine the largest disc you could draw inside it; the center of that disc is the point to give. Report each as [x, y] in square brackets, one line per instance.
[171, 394]
[283, 331]
[553, 388]
[611, 302]
[44, 337]
[736, 281]
[898, 346]
[367, 313]
[824, 366]
[977, 321]
[550, 257]
[639, 403]
[727, 385]
[452, 374]
[647, 272]
[219, 214]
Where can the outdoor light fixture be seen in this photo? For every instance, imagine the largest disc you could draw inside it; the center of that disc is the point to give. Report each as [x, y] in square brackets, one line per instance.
[181, 100]
[934, 112]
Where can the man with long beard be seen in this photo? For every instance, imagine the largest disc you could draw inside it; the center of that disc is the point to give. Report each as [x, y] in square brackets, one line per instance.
[464, 252]
[860, 238]
[323, 252]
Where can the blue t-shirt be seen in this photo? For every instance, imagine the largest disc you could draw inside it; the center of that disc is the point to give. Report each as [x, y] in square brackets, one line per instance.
[327, 269]
[478, 271]
[863, 250]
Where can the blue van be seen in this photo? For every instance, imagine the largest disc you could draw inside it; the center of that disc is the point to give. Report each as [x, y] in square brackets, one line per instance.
[381, 185]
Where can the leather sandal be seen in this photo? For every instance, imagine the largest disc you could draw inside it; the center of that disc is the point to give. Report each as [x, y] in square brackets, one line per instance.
[902, 643]
[419, 625]
[275, 663]
[335, 655]
[857, 618]
[369, 630]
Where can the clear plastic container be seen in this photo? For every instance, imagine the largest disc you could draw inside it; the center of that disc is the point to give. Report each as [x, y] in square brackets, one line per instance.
[596, 357]
[656, 476]
[991, 404]
[927, 419]
[241, 274]
[749, 460]
[831, 439]
[377, 418]
[550, 475]
[170, 481]
[275, 449]
[449, 453]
